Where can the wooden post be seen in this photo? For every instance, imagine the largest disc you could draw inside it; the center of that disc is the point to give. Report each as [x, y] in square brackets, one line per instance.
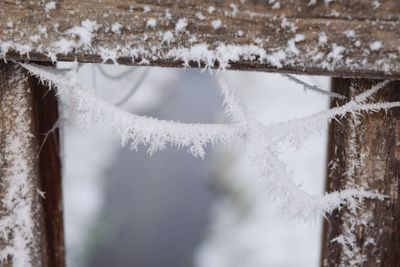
[45, 108]
[31, 227]
[365, 152]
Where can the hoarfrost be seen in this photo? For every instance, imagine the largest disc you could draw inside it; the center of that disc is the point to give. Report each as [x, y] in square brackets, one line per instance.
[181, 24]
[151, 23]
[146, 9]
[168, 37]
[50, 6]
[216, 24]
[200, 16]
[116, 28]
[19, 200]
[262, 139]
[84, 32]
[350, 34]
[376, 46]
[322, 38]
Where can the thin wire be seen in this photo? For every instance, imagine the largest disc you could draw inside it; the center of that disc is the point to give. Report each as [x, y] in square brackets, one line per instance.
[94, 78]
[115, 77]
[46, 135]
[132, 91]
[313, 87]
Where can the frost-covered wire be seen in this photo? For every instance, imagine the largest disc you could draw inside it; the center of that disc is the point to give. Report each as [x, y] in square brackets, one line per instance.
[232, 107]
[136, 130]
[314, 88]
[366, 95]
[264, 140]
[298, 130]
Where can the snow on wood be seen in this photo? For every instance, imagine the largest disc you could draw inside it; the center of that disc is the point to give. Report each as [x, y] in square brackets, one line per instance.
[365, 151]
[346, 38]
[20, 209]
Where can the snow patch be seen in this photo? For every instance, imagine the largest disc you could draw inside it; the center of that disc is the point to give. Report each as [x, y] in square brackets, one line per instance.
[322, 38]
[376, 46]
[211, 9]
[146, 9]
[151, 23]
[235, 9]
[116, 28]
[350, 34]
[181, 24]
[168, 37]
[64, 46]
[50, 6]
[336, 52]
[200, 16]
[216, 24]
[84, 32]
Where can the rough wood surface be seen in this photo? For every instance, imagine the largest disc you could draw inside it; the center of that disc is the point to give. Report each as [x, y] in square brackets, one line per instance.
[365, 153]
[21, 236]
[359, 38]
[45, 109]
[30, 225]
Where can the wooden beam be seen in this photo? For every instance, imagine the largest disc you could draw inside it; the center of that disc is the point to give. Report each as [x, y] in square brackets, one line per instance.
[358, 38]
[365, 153]
[31, 229]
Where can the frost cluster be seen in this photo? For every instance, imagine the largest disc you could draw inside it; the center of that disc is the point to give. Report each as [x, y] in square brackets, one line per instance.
[50, 6]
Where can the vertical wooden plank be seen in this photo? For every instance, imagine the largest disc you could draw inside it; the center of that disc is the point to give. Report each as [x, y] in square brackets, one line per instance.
[45, 109]
[21, 225]
[365, 152]
[30, 231]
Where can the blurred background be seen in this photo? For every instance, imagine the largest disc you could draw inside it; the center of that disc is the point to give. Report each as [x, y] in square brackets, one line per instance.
[125, 208]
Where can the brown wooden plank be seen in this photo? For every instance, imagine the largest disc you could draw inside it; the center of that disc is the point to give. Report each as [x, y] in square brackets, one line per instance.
[31, 229]
[365, 154]
[362, 37]
[21, 239]
[45, 109]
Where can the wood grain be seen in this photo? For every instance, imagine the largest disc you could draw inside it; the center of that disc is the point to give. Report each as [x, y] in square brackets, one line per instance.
[45, 109]
[365, 153]
[18, 167]
[27, 110]
[289, 33]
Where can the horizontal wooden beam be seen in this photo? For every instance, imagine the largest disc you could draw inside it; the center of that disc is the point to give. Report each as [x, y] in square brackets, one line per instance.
[358, 38]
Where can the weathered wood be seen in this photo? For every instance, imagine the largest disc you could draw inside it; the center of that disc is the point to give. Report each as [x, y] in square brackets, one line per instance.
[365, 153]
[45, 109]
[359, 38]
[30, 226]
[21, 236]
